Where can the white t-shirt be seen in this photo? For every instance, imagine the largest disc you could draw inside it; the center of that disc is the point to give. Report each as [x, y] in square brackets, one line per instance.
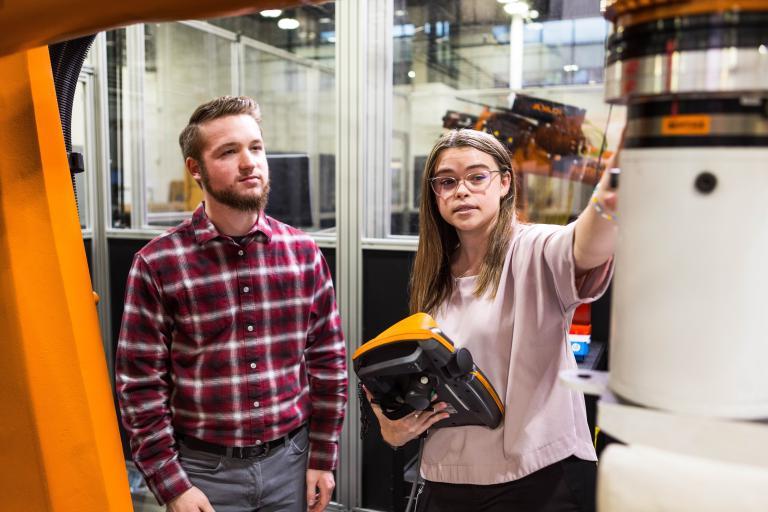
[519, 340]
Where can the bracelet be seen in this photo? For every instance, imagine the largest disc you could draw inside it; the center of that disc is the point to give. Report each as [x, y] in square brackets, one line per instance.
[600, 209]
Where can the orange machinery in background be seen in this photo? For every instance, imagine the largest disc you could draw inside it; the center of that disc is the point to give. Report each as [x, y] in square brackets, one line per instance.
[580, 332]
[60, 448]
[544, 138]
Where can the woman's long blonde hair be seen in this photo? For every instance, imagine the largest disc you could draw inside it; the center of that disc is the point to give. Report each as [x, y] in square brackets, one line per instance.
[431, 280]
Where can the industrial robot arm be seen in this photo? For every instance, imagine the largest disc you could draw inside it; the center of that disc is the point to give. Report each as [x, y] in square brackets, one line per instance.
[57, 405]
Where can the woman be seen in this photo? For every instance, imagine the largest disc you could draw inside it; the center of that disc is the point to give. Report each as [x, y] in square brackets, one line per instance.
[507, 291]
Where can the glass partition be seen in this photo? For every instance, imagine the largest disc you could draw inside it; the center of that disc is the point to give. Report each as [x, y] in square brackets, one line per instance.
[288, 65]
[184, 67]
[297, 98]
[158, 73]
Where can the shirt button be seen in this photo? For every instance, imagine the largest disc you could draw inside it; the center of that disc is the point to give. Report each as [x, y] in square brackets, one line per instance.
[246, 289]
[253, 365]
[240, 252]
[258, 443]
[250, 328]
[256, 404]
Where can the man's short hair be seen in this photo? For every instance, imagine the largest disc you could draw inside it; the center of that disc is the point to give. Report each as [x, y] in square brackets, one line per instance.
[190, 141]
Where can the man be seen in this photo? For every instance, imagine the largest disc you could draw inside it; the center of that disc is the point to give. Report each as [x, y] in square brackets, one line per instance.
[230, 366]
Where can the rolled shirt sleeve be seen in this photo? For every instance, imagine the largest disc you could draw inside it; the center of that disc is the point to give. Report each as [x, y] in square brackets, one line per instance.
[556, 243]
[143, 388]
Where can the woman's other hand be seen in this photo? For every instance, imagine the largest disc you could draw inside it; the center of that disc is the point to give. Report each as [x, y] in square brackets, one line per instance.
[398, 432]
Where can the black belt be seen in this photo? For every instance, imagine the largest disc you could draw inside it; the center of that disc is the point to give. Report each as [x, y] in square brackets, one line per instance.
[238, 452]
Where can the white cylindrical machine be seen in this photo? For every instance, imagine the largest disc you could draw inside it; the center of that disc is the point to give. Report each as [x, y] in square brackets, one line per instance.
[688, 330]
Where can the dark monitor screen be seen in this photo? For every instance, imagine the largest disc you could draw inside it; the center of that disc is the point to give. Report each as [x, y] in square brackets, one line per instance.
[290, 197]
[327, 183]
[419, 162]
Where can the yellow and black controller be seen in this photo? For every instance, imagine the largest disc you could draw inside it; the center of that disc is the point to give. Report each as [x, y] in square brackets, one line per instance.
[413, 363]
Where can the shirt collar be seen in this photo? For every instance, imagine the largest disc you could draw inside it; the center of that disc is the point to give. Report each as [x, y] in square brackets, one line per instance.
[205, 231]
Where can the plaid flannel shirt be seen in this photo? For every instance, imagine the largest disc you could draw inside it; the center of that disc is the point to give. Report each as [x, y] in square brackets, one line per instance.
[231, 343]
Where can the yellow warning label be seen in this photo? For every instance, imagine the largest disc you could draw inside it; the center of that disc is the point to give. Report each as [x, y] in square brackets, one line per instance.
[686, 125]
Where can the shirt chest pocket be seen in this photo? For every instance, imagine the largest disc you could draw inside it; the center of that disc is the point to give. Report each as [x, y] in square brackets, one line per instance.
[207, 314]
[289, 298]
[286, 283]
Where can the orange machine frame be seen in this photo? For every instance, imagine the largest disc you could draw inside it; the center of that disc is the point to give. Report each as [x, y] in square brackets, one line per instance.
[60, 445]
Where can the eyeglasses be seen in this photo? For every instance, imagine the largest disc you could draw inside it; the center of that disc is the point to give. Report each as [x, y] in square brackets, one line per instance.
[445, 186]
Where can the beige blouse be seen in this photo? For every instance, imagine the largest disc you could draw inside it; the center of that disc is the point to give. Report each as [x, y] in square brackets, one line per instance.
[519, 340]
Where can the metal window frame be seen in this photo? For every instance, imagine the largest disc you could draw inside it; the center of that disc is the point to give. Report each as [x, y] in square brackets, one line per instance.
[350, 165]
[135, 67]
[364, 123]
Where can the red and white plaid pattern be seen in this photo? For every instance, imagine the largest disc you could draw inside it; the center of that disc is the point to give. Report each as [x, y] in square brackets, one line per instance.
[231, 343]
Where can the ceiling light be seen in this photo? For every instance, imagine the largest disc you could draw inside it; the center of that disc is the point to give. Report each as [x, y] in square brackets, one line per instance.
[271, 13]
[288, 23]
[400, 12]
[533, 14]
[762, 49]
[411, 74]
[324, 20]
[516, 8]
[570, 68]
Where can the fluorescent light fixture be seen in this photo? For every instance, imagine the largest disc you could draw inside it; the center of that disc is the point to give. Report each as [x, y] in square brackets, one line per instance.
[288, 23]
[400, 12]
[324, 20]
[271, 13]
[516, 8]
[570, 68]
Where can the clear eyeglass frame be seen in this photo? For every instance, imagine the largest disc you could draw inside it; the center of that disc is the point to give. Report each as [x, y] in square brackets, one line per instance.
[446, 186]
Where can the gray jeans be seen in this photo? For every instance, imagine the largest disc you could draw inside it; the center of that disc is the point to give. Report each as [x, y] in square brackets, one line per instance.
[273, 483]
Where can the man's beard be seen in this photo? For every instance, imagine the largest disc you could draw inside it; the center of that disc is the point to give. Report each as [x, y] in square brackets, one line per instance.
[242, 202]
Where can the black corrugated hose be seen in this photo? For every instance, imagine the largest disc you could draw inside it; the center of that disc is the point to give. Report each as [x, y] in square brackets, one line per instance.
[67, 60]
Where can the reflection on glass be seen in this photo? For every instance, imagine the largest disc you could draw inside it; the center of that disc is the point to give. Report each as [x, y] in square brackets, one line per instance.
[452, 56]
[184, 67]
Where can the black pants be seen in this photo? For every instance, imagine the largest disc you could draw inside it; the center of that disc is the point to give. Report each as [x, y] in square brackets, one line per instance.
[566, 486]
